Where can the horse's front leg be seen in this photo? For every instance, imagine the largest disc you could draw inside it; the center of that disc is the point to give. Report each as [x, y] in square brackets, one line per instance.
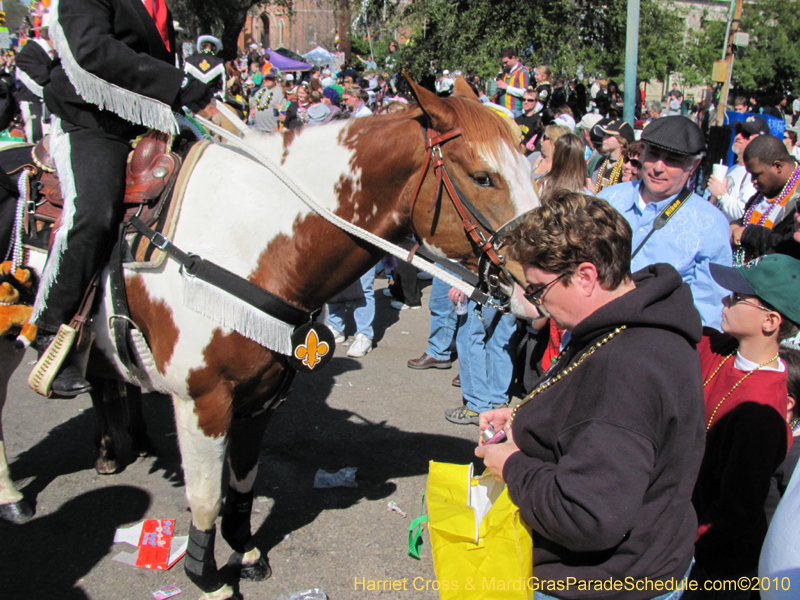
[12, 506]
[203, 457]
[244, 444]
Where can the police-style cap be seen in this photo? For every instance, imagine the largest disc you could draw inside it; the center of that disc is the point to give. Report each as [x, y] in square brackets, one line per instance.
[619, 127]
[676, 134]
[752, 125]
[774, 278]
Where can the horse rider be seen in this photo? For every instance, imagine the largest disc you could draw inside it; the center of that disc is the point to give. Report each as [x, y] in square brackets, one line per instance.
[33, 72]
[114, 78]
[206, 66]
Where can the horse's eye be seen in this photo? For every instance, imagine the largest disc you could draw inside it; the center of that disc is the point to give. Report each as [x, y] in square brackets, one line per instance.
[482, 179]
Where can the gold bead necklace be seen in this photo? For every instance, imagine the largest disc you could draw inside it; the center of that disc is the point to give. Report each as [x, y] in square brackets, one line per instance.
[553, 380]
[725, 397]
[614, 178]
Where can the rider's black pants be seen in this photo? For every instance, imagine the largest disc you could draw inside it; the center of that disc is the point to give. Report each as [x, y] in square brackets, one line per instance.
[91, 169]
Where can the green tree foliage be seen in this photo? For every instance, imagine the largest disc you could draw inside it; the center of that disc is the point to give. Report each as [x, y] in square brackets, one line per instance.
[769, 63]
[566, 34]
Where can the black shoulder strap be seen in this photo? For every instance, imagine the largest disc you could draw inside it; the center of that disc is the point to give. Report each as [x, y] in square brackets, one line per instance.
[665, 216]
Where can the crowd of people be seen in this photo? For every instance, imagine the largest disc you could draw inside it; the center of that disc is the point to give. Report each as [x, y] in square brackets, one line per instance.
[667, 452]
[654, 346]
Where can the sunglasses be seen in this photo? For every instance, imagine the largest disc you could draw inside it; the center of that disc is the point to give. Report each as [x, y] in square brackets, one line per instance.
[529, 99]
[634, 162]
[736, 298]
[744, 134]
[534, 296]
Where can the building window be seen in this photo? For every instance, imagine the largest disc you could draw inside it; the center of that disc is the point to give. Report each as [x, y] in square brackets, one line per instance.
[280, 34]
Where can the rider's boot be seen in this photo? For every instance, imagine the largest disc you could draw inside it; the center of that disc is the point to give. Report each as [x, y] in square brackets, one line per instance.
[69, 381]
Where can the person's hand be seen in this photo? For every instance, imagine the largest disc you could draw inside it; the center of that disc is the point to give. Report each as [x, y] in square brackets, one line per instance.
[736, 234]
[501, 84]
[497, 419]
[195, 95]
[717, 187]
[456, 296]
[495, 455]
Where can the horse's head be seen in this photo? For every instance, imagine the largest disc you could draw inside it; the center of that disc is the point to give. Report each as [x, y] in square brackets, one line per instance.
[491, 179]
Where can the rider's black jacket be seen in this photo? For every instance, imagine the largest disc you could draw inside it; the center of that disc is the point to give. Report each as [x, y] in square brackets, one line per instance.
[113, 70]
[34, 64]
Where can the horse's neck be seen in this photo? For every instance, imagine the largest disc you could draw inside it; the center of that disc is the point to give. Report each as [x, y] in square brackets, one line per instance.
[359, 176]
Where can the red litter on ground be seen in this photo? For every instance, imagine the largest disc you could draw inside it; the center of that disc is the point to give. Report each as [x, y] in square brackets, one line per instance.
[156, 548]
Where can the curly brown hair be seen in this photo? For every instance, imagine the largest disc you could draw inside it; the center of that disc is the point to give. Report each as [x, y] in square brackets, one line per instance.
[571, 228]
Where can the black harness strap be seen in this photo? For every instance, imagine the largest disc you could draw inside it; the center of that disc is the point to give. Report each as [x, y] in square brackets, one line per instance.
[219, 277]
[121, 322]
[666, 214]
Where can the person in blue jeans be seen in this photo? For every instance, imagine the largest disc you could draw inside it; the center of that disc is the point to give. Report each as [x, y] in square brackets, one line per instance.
[438, 354]
[486, 343]
[364, 315]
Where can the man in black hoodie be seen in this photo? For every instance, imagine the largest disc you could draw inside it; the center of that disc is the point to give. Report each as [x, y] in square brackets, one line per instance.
[602, 463]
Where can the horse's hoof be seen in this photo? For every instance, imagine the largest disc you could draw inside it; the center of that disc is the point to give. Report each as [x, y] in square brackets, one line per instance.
[144, 447]
[16, 512]
[257, 571]
[105, 466]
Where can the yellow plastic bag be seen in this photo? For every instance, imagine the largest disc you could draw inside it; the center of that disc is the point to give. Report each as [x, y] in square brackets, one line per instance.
[481, 547]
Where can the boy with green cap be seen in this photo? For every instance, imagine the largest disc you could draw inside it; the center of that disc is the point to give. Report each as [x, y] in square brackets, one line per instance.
[747, 435]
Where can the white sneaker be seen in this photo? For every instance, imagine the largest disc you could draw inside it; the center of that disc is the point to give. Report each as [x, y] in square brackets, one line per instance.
[338, 336]
[360, 346]
[397, 305]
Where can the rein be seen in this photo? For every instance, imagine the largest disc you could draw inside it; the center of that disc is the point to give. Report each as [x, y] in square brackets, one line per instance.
[472, 292]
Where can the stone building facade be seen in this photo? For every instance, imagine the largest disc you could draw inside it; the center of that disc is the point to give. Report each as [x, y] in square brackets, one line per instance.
[312, 24]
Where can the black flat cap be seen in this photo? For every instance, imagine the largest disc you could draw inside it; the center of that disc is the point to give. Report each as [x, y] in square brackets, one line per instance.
[675, 134]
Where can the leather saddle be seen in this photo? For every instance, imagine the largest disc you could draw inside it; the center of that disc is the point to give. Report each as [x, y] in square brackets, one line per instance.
[149, 177]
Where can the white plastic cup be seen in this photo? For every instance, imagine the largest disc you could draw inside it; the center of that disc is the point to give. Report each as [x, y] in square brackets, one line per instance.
[719, 171]
[461, 306]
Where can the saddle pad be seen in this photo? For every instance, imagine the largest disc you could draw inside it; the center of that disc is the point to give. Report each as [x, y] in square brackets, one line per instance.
[142, 254]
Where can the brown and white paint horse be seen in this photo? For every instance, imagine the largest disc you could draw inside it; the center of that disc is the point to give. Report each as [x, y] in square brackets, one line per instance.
[366, 171]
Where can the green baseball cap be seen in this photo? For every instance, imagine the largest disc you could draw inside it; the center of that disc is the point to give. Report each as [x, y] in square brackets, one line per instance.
[775, 278]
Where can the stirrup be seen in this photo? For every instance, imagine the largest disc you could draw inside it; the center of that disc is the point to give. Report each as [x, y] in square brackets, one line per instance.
[41, 378]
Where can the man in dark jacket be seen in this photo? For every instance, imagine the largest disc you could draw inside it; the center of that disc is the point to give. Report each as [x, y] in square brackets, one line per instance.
[768, 221]
[113, 79]
[206, 66]
[603, 461]
[33, 73]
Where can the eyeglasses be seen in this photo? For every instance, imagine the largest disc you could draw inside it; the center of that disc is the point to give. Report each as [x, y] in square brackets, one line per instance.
[529, 99]
[635, 163]
[534, 296]
[736, 298]
[744, 134]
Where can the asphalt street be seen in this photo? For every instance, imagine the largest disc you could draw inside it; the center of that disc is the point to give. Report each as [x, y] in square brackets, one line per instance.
[373, 413]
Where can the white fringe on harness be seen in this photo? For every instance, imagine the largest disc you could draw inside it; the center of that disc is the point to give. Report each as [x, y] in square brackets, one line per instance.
[236, 314]
[129, 105]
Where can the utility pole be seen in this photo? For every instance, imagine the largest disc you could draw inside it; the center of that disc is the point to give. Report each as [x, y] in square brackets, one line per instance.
[344, 28]
[631, 61]
[734, 27]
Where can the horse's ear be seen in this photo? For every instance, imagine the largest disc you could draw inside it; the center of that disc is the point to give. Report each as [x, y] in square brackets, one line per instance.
[463, 89]
[442, 116]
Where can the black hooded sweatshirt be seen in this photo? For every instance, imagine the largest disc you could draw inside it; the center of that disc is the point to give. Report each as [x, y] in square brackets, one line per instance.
[610, 453]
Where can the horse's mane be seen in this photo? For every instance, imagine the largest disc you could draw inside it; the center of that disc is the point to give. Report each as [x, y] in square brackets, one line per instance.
[480, 126]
